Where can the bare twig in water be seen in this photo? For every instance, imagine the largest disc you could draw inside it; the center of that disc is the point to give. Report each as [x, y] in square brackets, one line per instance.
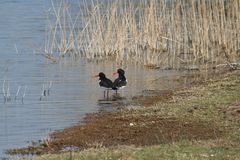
[8, 93]
[4, 93]
[49, 87]
[19, 88]
[24, 93]
[51, 57]
[16, 48]
[46, 90]
[43, 92]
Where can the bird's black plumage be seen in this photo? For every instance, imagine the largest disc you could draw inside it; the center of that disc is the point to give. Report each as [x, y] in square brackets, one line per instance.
[104, 81]
[121, 81]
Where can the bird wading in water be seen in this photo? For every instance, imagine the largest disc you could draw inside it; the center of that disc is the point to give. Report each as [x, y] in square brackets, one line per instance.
[121, 81]
[105, 83]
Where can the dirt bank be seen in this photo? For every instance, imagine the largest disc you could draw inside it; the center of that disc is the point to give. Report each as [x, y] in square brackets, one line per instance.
[125, 127]
[195, 114]
[110, 129]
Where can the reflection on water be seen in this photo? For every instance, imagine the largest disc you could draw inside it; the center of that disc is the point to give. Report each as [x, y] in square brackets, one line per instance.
[34, 114]
[113, 102]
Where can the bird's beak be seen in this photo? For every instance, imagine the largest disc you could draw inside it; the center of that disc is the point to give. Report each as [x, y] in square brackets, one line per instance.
[115, 73]
[95, 76]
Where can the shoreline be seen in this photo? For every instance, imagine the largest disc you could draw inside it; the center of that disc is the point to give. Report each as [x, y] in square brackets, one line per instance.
[167, 120]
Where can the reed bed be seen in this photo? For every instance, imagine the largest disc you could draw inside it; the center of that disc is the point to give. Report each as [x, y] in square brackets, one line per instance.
[168, 34]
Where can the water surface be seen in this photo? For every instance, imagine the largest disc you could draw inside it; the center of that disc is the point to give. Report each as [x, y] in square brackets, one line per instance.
[73, 93]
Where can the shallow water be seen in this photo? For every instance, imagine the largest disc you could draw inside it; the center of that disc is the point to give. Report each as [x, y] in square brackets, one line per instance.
[73, 93]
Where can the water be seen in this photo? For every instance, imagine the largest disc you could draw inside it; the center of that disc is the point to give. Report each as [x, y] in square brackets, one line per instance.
[73, 93]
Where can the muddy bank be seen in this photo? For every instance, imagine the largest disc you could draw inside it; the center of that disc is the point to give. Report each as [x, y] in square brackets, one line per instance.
[111, 129]
[134, 127]
[108, 129]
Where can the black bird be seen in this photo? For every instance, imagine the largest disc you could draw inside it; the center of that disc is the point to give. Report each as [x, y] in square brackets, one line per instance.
[121, 81]
[104, 82]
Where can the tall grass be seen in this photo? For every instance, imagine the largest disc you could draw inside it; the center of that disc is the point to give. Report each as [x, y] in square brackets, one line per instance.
[159, 33]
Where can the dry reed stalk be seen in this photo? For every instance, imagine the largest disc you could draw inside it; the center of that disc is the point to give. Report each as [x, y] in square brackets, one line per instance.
[164, 33]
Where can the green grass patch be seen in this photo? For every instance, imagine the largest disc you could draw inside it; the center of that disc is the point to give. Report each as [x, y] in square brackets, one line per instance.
[176, 151]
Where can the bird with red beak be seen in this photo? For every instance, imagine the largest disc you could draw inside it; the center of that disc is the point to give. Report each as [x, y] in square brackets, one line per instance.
[121, 81]
[104, 82]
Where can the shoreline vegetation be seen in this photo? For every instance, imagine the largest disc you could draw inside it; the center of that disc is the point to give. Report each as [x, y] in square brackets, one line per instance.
[166, 34]
[200, 122]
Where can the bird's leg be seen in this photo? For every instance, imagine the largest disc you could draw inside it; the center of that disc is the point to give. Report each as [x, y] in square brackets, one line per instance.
[107, 93]
[104, 94]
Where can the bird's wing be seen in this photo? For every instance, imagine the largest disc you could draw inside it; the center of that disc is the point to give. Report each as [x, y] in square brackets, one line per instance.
[106, 83]
[117, 81]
